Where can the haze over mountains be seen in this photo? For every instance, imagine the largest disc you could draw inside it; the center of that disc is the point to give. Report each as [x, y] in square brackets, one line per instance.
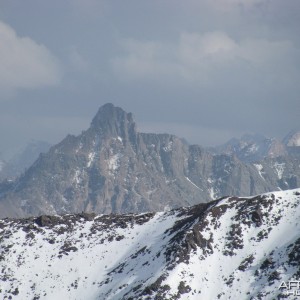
[23, 159]
[159, 235]
[111, 167]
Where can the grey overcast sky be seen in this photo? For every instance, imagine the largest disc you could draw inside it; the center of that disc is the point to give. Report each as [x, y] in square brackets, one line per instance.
[206, 70]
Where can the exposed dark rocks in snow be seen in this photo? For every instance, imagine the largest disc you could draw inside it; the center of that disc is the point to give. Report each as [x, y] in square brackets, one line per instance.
[231, 248]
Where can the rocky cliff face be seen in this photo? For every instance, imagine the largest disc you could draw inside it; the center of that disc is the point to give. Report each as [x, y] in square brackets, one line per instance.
[231, 248]
[111, 167]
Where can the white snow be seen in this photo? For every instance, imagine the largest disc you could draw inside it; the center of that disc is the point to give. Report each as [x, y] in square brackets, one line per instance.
[253, 148]
[193, 183]
[168, 147]
[91, 158]
[211, 190]
[114, 163]
[77, 177]
[279, 167]
[112, 260]
[79, 147]
[212, 193]
[206, 276]
[259, 168]
[54, 278]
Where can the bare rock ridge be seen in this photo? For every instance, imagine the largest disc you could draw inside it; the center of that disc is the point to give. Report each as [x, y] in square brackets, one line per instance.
[113, 168]
[231, 248]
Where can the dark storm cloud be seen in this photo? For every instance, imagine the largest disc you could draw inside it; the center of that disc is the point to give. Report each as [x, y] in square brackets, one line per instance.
[205, 70]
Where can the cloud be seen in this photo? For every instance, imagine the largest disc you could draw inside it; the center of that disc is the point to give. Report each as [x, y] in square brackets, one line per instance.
[25, 63]
[202, 58]
[88, 9]
[227, 5]
[144, 60]
[77, 61]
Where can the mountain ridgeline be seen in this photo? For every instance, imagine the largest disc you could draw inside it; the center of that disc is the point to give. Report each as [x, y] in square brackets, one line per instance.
[113, 168]
[18, 163]
[232, 248]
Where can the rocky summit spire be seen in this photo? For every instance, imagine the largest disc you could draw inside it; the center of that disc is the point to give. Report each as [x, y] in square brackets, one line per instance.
[113, 121]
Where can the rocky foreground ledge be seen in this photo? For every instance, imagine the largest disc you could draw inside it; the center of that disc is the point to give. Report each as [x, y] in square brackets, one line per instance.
[231, 248]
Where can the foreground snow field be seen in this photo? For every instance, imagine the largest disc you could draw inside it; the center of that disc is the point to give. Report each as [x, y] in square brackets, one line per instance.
[232, 248]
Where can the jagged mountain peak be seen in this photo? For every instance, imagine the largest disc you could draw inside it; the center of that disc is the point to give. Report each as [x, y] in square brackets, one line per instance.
[108, 111]
[111, 167]
[114, 121]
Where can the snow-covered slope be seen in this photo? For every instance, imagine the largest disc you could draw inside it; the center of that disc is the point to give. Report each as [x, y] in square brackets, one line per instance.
[232, 248]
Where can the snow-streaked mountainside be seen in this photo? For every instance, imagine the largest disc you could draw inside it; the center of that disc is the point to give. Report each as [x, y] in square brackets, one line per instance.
[113, 168]
[255, 147]
[232, 248]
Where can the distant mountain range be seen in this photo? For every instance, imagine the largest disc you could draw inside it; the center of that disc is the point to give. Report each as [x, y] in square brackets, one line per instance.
[253, 148]
[232, 248]
[113, 168]
[22, 160]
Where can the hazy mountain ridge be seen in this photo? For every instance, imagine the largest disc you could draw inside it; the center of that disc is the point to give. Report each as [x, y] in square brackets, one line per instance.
[292, 139]
[229, 248]
[254, 147]
[15, 166]
[111, 167]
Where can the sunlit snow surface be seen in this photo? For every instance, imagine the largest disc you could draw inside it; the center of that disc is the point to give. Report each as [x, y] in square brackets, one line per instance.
[189, 180]
[234, 248]
[259, 168]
